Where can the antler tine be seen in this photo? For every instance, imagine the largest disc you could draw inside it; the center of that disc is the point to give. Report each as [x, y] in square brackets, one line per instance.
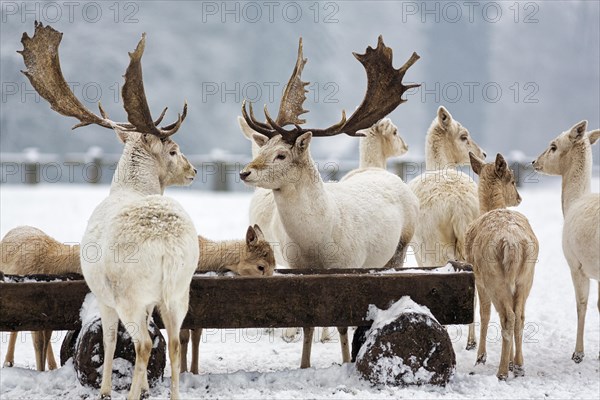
[134, 99]
[176, 123]
[294, 95]
[262, 124]
[40, 54]
[255, 125]
[288, 136]
[161, 116]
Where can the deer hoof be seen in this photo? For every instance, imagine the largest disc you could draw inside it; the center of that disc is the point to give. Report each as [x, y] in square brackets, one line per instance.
[290, 335]
[481, 359]
[8, 364]
[502, 377]
[577, 357]
[511, 366]
[471, 345]
[145, 395]
[518, 370]
[105, 397]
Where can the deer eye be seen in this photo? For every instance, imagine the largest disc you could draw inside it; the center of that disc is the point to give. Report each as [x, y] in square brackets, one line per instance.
[173, 153]
[261, 268]
[553, 148]
[464, 138]
[280, 157]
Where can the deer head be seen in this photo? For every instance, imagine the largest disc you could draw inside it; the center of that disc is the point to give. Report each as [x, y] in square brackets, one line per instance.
[386, 133]
[283, 151]
[496, 183]
[259, 258]
[559, 156]
[448, 142]
[40, 54]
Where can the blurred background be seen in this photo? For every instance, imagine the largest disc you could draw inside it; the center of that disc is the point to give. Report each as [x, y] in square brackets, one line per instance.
[516, 74]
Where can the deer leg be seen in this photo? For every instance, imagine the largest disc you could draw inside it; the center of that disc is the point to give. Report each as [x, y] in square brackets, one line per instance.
[196, 335]
[9, 359]
[471, 338]
[519, 326]
[326, 335]
[290, 334]
[135, 321]
[484, 315]
[306, 347]
[344, 344]
[173, 315]
[504, 306]
[110, 327]
[184, 339]
[582, 290]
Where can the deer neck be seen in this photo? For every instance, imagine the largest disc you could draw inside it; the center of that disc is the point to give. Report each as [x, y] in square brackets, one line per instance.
[303, 205]
[371, 154]
[435, 156]
[220, 255]
[137, 171]
[577, 179]
[490, 198]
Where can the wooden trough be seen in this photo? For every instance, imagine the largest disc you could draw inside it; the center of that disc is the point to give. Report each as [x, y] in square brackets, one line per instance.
[290, 298]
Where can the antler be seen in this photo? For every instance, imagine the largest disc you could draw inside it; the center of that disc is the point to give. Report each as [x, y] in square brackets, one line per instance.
[384, 94]
[40, 54]
[134, 98]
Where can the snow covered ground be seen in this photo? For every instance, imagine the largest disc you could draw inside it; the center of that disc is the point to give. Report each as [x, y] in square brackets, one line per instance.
[249, 364]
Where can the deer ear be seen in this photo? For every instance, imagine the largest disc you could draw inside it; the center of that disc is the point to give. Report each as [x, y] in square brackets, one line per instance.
[476, 163]
[594, 136]
[259, 232]
[245, 128]
[123, 136]
[259, 139]
[501, 166]
[577, 132]
[303, 141]
[251, 238]
[444, 116]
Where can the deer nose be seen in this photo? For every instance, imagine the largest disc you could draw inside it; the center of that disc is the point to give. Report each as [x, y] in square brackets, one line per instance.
[195, 171]
[245, 174]
[484, 154]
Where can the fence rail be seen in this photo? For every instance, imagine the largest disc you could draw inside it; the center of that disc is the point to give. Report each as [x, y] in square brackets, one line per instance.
[216, 172]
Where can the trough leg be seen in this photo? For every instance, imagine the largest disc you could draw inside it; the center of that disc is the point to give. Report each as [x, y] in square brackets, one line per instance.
[9, 359]
[344, 344]
[38, 345]
[48, 350]
[306, 347]
[184, 339]
[196, 335]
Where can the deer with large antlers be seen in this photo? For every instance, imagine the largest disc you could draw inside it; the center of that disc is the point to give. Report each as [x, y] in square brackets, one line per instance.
[360, 222]
[140, 248]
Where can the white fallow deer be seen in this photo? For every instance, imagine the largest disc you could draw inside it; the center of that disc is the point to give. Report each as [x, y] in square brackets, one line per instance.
[250, 257]
[447, 197]
[503, 250]
[570, 156]
[359, 222]
[140, 248]
[380, 142]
